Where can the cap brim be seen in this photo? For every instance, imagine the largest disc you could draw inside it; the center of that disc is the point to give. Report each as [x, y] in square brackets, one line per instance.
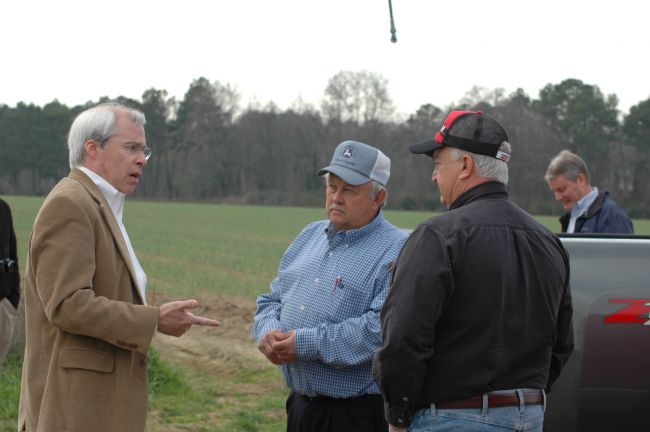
[347, 175]
[426, 147]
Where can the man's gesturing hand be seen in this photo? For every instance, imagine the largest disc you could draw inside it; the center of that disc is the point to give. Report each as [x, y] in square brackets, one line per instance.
[175, 320]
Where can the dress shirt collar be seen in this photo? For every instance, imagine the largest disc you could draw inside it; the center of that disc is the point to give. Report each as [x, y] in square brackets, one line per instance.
[114, 197]
[357, 233]
[583, 203]
[487, 190]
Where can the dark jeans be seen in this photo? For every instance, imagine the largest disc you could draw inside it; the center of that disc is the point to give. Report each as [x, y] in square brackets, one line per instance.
[365, 413]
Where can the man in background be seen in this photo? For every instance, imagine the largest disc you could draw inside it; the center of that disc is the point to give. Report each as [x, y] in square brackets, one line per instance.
[588, 210]
[477, 323]
[9, 280]
[320, 322]
[88, 327]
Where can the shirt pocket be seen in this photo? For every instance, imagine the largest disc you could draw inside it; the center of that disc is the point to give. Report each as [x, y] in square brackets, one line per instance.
[349, 299]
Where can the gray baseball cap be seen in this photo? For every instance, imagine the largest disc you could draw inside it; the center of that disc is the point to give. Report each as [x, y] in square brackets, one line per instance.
[357, 163]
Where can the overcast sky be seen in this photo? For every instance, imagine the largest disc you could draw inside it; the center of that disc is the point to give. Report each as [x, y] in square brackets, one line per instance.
[282, 50]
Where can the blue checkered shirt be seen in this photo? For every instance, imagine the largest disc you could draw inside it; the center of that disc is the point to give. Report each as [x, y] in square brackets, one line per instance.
[330, 288]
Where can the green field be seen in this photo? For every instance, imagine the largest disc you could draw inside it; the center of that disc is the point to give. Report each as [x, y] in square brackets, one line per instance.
[224, 256]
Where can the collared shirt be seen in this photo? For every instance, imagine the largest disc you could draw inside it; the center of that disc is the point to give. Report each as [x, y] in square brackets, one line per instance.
[331, 288]
[580, 207]
[115, 201]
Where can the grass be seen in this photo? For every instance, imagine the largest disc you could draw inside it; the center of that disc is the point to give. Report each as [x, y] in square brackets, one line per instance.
[184, 398]
[10, 391]
[195, 250]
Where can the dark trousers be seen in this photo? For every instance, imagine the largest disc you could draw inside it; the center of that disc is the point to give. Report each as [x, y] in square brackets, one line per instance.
[362, 414]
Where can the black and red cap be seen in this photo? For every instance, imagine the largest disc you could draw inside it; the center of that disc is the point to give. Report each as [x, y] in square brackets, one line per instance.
[471, 131]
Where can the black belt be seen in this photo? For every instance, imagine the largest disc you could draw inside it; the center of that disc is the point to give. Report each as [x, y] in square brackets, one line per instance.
[494, 400]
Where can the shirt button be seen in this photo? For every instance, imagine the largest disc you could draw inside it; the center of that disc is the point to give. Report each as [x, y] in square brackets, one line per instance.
[331, 253]
[405, 399]
[400, 421]
[302, 307]
[316, 280]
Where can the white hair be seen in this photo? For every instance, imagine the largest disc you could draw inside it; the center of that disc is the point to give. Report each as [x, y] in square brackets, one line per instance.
[487, 166]
[376, 188]
[97, 123]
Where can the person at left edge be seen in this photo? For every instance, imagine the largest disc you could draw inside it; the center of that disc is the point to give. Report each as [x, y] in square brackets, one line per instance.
[320, 322]
[9, 280]
[88, 327]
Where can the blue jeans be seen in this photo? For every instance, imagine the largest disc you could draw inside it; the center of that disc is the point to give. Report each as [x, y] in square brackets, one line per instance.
[528, 418]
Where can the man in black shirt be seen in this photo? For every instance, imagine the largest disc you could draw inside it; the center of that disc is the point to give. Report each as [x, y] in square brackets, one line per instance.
[9, 280]
[477, 323]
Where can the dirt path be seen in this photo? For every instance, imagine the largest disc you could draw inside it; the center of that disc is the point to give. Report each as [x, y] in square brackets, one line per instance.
[220, 353]
[216, 349]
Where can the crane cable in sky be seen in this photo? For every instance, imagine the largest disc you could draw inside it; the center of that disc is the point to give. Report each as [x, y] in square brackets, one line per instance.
[393, 38]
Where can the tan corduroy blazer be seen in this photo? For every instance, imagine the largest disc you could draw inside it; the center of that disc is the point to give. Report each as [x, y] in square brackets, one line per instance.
[87, 330]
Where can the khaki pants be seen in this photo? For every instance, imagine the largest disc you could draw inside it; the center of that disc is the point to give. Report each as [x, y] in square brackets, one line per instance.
[8, 316]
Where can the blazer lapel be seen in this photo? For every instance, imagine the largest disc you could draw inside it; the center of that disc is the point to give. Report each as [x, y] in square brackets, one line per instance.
[111, 222]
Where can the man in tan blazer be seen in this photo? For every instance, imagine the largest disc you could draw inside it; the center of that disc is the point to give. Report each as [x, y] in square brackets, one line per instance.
[88, 327]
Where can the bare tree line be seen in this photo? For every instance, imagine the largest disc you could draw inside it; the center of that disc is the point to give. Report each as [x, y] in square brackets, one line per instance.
[208, 148]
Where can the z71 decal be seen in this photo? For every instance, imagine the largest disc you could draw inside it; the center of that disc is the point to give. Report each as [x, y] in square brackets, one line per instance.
[637, 311]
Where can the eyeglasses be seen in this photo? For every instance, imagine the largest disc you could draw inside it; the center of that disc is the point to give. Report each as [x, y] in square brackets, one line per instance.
[135, 148]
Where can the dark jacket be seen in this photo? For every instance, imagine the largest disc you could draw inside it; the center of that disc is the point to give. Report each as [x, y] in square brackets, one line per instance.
[480, 301]
[9, 276]
[602, 216]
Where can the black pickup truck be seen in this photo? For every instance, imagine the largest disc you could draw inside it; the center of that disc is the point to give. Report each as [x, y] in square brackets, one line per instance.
[605, 385]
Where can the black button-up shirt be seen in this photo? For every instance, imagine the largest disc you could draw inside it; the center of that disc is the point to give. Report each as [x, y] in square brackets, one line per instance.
[480, 301]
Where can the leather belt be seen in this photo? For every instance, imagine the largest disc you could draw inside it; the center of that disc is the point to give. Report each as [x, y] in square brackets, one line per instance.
[494, 400]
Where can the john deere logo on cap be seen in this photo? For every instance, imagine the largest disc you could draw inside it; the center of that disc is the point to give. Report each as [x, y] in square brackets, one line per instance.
[347, 152]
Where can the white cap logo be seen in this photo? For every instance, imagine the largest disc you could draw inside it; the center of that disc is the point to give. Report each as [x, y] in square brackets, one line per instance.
[347, 152]
[503, 156]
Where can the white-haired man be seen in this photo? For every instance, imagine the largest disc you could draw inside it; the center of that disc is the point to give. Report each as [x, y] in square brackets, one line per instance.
[477, 323]
[588, 210]
[320, 322]
[88, 327]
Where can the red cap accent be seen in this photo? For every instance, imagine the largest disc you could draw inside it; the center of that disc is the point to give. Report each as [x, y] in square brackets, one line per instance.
[451, 118]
